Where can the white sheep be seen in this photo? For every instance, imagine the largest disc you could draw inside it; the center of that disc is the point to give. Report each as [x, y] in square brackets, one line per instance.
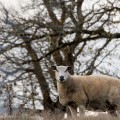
[93, 92]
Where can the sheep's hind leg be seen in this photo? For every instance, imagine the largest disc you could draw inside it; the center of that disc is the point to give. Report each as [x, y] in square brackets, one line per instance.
[112, 110]
[118, 114]
[113, 113]
[118, 111]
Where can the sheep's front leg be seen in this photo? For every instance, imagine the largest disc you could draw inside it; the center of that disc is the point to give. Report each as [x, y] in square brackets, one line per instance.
[73, 112]
[82, 109]
[73, 109]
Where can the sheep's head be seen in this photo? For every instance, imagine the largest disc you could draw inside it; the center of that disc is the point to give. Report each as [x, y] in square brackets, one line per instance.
[61, 72]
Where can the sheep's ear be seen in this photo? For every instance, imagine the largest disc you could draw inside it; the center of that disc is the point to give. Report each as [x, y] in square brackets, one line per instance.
[69, 68]
[53, 67]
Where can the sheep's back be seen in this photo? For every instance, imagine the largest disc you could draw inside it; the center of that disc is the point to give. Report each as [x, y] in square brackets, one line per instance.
[101, 88]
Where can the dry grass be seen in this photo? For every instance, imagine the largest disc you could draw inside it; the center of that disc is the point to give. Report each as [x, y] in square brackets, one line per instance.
[99, 117]
[57, 116]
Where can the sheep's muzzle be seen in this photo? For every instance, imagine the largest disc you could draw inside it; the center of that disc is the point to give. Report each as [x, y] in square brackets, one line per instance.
[61, 78]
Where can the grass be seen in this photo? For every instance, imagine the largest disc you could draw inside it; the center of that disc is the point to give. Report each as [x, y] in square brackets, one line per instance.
[50, 116]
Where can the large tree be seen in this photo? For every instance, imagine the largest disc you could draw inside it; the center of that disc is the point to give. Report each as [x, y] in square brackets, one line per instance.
[83, 34]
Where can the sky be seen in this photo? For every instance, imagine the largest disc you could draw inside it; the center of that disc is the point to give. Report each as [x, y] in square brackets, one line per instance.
[15, 4]
[9, 3]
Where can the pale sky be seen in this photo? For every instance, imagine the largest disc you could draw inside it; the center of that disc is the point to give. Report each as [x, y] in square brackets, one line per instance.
[16, 4]
[10, 3]
[13, 3]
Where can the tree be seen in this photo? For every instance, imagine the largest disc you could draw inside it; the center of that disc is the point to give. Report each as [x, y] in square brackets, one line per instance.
[62, 32]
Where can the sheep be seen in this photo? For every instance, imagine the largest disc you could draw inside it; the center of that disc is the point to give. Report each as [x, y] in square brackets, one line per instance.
[91, 92]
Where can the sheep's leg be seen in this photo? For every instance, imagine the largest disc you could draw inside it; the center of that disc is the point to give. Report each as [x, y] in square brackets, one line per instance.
[73, 112]
[118, 110]
[82, 109]
[113, 113]
[73, 108]
[65, 114]
[118, 114]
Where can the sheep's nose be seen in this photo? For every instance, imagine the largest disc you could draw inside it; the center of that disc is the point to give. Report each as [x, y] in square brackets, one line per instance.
[61, 78]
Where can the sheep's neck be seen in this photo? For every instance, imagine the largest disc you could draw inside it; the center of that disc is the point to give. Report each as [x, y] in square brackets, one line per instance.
[65, 87]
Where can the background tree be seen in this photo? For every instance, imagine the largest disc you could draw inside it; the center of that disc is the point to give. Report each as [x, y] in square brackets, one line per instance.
[62, 32]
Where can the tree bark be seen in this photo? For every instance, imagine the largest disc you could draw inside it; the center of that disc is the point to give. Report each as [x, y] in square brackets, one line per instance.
[47, 102]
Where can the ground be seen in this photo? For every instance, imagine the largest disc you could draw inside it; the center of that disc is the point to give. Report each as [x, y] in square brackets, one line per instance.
[50, 116]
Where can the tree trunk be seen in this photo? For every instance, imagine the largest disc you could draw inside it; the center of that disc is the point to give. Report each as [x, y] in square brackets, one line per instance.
[47, 102]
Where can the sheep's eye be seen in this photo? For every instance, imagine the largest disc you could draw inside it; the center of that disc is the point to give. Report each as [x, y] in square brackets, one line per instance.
[54, 67]
[68, 68]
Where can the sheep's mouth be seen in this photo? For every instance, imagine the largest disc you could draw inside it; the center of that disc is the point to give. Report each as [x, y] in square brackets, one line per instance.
[61, 80]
